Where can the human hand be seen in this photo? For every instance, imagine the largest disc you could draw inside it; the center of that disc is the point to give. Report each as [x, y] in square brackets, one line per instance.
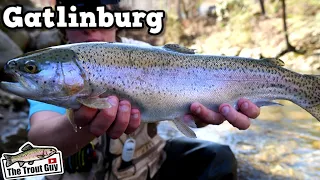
[114, 121]
[239, 119]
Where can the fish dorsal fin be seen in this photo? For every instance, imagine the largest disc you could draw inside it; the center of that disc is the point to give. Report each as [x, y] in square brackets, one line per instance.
[274, 61]
[27, 147]
[178, 48]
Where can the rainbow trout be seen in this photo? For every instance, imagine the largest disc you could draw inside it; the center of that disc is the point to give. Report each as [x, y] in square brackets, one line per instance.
[28, 155]
[162, 81]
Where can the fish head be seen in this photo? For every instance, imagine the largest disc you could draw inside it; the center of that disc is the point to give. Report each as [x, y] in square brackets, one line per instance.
[49, 152]
[45, 152]
[50, 75]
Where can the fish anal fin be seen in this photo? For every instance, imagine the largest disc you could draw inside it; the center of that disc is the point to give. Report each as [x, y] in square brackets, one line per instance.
[95, 103]
[179, 48]
[30, 162]
[183, 128]
[27, 147]
[274, 61]
[21, 163]
[262, 103]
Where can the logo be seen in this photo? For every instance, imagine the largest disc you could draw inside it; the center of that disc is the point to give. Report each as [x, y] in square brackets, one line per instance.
[32, 160]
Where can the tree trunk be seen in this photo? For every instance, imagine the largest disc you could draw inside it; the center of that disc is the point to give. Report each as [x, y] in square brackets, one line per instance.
[179, 10]
[263, 11]
[285, 27]
[289, 48]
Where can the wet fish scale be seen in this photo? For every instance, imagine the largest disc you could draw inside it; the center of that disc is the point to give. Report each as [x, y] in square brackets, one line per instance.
[163, 81]
[226, 70]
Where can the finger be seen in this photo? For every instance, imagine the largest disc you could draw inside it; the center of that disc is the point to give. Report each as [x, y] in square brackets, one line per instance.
[84, 115]
[101, 123]
[134, 122]
[248, 108]
[234, 117]
[122, 120]
[205, 115]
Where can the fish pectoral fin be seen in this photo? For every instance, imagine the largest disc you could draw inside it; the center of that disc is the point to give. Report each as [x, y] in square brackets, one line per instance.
[21, 163]
[96, 103]
[70, 116]
[267, 103]
[183, 128]
[30, 162]
[40, 157]
[179, 48]
[274, 61]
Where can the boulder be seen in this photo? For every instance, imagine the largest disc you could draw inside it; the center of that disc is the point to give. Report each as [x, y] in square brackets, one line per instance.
[8, 49]
[45, 38]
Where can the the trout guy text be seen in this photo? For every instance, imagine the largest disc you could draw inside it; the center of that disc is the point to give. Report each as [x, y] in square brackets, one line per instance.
[101, 18]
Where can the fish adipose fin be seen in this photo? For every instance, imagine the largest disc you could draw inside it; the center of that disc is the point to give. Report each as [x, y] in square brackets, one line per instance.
[183, 128]
[274, 61]
[178, 48]
[9, 161]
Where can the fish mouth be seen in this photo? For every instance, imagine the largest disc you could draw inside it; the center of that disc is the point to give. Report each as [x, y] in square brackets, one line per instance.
[8, 75]
[17, 88]
[10, 78]
[13, 87]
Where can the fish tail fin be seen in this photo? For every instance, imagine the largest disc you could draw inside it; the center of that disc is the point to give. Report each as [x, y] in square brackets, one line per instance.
[314, 111]
[312, 95]
[8, 160]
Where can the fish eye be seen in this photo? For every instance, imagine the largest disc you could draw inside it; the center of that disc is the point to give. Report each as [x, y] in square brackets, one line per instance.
[31, 67]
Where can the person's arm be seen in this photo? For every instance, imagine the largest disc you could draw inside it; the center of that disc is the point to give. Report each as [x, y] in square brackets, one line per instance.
[54, 129]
